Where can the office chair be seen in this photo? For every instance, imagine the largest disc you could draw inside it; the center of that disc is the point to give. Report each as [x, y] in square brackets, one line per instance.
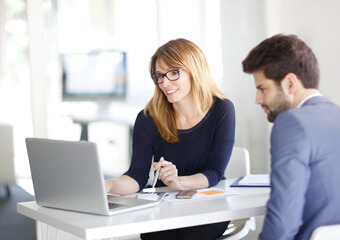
[6, 157]
[329, 232]
[239, 165]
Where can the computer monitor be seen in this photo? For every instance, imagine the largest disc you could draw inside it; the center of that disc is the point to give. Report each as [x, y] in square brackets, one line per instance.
[94, 76]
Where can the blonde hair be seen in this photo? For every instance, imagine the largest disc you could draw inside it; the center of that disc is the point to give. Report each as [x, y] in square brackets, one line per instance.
[181, 54]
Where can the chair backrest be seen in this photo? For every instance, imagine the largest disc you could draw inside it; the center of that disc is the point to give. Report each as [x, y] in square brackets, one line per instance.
[239, 163]
[6, 154]
[329, 232]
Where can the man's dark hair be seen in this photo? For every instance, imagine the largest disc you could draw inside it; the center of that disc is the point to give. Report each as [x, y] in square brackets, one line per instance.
[282, 54]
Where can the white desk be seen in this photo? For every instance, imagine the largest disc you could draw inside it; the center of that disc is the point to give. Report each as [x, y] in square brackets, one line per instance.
[168, 215]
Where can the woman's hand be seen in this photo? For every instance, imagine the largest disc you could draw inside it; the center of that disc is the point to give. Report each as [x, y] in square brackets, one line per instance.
[107, 186]
[168, 174]
[124, 185]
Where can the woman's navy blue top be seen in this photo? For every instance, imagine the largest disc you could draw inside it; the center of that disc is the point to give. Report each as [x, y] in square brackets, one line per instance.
[204, 148]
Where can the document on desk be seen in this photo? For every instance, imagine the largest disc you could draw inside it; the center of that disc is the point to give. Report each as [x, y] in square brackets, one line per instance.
[207, 193]
[252, 180]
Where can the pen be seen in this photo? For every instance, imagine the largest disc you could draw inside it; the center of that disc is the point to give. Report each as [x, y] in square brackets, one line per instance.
[156, 174]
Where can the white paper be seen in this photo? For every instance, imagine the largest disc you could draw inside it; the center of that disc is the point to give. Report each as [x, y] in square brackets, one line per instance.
[255, 179]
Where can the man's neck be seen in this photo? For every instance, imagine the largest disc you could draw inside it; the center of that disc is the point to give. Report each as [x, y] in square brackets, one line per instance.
[303, 95]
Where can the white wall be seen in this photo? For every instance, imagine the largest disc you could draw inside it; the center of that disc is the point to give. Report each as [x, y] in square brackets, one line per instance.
[317, 23]
[243, 26]
[247, 22]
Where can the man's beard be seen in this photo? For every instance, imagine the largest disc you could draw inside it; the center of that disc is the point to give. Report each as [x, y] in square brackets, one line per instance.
[280, 104]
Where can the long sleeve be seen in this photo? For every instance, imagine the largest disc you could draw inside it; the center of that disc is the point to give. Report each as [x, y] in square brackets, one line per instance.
[222, 144]
[143, 145]
[290, 149]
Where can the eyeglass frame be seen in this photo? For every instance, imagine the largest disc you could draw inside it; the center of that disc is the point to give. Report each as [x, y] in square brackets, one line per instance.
[165, 75]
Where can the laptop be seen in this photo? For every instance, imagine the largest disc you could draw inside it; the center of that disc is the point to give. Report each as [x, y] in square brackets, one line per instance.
[67, 175]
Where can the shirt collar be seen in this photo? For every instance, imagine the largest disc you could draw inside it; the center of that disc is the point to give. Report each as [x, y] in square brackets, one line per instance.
[309, 97]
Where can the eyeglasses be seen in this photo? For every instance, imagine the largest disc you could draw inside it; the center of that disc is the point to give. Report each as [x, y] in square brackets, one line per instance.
[171, 75]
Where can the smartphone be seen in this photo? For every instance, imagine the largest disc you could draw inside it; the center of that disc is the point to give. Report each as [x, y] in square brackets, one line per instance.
[187, 194]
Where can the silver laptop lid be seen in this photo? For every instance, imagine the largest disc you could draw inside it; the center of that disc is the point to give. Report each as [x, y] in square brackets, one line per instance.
[67, 175]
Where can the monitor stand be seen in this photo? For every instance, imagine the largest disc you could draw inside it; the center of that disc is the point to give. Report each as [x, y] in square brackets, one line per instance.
[103, 110]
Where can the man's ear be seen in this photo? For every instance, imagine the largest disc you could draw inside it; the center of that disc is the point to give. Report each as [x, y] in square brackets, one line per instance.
[290, 83]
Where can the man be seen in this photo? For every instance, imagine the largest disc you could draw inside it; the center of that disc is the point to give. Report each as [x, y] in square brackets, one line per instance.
[305, 139]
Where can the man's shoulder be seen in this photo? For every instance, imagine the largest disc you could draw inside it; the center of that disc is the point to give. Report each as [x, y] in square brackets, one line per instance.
[310, 116]
[312, 105]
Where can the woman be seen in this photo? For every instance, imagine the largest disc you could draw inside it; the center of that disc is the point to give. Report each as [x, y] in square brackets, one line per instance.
[190, 123]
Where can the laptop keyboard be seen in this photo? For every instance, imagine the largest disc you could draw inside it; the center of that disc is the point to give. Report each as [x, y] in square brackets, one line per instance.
[116, 205]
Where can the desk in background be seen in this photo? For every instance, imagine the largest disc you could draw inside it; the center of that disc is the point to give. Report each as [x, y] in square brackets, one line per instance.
[118, 113]
[168, 215]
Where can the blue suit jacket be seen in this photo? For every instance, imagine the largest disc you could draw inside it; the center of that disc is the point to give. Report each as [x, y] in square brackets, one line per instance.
[305, 171]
